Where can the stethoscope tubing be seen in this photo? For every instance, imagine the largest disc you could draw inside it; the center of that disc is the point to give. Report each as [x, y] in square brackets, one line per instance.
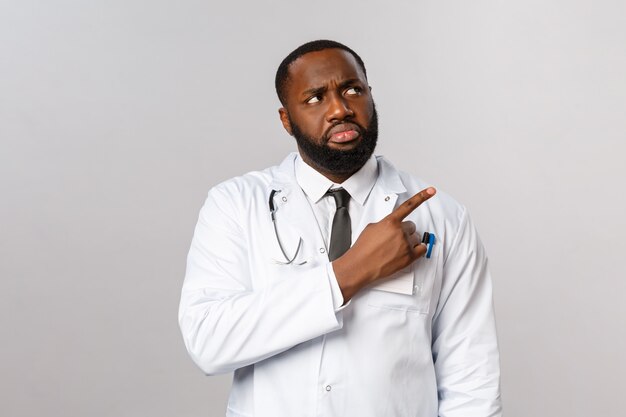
[288, 261]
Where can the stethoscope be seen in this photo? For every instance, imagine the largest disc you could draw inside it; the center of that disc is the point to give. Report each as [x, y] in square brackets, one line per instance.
[289, 261]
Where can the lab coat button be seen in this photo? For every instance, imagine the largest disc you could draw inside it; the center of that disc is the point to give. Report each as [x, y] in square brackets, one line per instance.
[322, 250]
[387, 198]
[284, 199]
[328, 387]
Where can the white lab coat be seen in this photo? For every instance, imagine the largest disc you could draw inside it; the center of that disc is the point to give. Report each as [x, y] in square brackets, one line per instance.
[433, 353]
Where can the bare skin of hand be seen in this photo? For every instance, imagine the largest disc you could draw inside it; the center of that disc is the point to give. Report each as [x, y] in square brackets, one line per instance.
[382, 249]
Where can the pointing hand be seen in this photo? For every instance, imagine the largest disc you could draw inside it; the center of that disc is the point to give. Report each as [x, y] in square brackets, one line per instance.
[382, 249]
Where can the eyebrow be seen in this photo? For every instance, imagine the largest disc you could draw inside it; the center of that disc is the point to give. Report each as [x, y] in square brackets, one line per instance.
[343, 84]
[313, 91]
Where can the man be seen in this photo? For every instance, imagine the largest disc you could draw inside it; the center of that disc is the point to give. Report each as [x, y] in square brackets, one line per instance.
[310, 280]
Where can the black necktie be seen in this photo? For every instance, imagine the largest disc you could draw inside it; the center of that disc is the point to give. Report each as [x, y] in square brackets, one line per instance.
[341, 234]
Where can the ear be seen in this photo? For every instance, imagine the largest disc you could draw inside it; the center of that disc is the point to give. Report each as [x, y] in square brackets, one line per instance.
[284, 118]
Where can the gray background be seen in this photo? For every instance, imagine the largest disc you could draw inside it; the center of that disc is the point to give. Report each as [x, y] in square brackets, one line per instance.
[117, 116]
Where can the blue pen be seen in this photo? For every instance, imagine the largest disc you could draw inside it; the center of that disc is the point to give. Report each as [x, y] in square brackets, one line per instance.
[431, 243]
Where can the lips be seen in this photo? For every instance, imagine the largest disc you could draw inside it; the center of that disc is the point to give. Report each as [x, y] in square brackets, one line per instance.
[344, 132]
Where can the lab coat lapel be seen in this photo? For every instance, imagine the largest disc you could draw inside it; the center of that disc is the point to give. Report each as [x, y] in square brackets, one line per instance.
[384, 195]
[294, 216]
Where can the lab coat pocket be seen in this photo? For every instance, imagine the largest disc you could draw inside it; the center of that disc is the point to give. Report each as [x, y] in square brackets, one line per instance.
[286, 248]
[424, 273]
[294, 255]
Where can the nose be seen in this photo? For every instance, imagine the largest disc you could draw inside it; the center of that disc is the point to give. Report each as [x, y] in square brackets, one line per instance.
[338, 108]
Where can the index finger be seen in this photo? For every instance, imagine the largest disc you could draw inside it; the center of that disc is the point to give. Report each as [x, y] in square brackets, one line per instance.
[411, 204]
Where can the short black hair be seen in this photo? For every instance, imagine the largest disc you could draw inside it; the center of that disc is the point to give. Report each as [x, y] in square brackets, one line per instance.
[282, 74]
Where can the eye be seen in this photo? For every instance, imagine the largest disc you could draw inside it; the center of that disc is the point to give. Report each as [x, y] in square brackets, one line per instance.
[314, 99]
[353, 91]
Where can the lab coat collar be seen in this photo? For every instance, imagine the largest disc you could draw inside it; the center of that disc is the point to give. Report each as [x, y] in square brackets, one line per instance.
[388, 177]
[283, 176]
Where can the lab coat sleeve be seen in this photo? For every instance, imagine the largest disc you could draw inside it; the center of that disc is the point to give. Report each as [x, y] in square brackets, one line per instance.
[465, 348]
[338, 301]
[226, 323]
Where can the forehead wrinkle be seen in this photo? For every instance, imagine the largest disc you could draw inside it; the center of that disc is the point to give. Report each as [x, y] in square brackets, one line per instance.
[321, 72]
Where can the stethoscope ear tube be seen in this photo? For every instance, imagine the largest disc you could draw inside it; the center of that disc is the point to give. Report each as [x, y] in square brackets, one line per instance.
[272, 209]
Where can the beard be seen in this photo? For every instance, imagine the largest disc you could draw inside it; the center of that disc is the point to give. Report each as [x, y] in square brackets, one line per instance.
[334, 160]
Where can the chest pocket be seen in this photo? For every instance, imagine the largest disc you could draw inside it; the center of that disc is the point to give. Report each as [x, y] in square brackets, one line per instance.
[424, 274]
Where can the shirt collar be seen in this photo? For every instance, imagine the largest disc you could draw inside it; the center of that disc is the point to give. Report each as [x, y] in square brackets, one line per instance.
[315, 184]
